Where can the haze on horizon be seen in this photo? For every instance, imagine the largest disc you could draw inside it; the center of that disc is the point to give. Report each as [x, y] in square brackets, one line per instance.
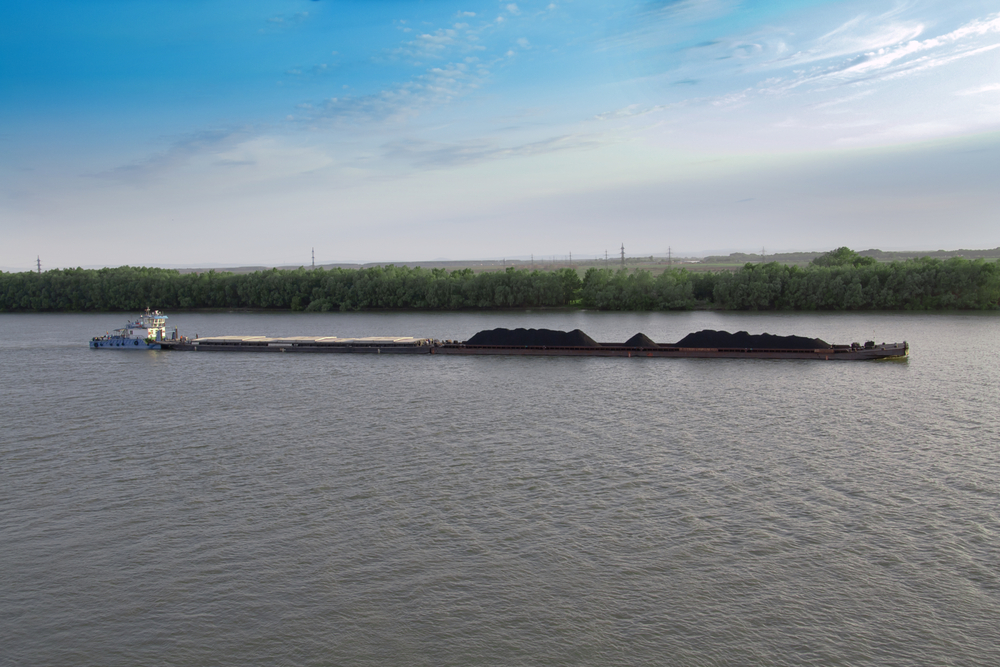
[246, 132]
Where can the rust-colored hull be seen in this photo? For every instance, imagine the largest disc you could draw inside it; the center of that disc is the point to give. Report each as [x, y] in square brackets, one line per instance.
[844, 353]
[428, 346]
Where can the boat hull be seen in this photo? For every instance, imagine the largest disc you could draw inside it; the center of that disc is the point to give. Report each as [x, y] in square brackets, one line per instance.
[122, 344]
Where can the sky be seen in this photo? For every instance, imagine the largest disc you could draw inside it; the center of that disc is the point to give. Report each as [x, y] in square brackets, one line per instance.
[248, 132]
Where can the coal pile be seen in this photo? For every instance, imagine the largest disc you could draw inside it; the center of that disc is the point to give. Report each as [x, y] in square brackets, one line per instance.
[640, 340]
[741, 339]
[533, 338]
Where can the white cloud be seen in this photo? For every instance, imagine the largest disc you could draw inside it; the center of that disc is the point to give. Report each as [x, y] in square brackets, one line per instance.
[513, 9]
[181, 152]
[843, 100]
[987, 88]
[908, 133]
[437, 86]
[888, 61]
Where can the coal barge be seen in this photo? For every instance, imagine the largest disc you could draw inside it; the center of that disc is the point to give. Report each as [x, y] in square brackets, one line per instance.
[549, 343]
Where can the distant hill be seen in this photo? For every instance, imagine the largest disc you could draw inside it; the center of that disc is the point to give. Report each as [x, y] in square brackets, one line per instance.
[880, 255]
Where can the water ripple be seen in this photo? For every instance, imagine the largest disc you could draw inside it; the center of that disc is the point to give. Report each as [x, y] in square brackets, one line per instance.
[256, 509]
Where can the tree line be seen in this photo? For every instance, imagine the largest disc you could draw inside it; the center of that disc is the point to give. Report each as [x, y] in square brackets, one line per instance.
[839, 280]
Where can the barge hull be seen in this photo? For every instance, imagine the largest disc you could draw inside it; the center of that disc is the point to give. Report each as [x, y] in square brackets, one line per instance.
[884, 351]
[309, 349]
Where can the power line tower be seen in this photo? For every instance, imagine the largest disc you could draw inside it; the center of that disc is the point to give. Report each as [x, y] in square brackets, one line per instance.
[314, 259]
[38, 261]
[762, 254]
[669, 258]
[623, 255]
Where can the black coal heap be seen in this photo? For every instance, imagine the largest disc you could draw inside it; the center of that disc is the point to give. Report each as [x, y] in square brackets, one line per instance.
[640, 340]
[533, 338]
[705, 338]
[741, 339]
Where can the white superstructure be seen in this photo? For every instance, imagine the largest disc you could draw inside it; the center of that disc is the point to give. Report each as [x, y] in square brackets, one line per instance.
[144, 333]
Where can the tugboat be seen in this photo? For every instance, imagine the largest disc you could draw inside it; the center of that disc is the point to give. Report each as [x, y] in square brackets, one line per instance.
[145, 333]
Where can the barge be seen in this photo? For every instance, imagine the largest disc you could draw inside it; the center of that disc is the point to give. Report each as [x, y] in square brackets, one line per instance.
[544, 342]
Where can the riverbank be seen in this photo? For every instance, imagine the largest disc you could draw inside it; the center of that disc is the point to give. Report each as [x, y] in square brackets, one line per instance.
[921, 284]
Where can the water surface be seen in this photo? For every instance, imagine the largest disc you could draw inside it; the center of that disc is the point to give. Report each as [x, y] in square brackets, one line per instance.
[196, 509]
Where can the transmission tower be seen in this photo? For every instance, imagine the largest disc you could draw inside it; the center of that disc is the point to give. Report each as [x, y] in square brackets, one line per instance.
[314, 259]
[38, 261]
[623, 255]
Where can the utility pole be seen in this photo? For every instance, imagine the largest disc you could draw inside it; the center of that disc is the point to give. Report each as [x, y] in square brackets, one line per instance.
[623, 255]
[38, 260]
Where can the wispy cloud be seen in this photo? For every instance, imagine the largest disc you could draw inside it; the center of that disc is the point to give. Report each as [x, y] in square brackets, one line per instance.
[978, 90]
[651, 25]
[284, 22]
[435, 87]
[903, 57]
[180, 152]
[430, 44]
[907, 132]
[634, 110]
[861, 34]
[460, 64]
[432, 154]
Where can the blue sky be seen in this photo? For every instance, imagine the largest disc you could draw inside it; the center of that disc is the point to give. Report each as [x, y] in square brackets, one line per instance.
[204, 132]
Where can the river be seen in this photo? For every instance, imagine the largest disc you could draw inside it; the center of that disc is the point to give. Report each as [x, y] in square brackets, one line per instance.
[274, 509]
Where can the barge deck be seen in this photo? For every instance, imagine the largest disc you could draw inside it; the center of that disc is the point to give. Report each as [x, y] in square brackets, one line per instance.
[411, 345]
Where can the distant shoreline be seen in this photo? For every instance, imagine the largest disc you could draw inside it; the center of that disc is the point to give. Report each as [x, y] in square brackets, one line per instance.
[654, 262]
[841, 280]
